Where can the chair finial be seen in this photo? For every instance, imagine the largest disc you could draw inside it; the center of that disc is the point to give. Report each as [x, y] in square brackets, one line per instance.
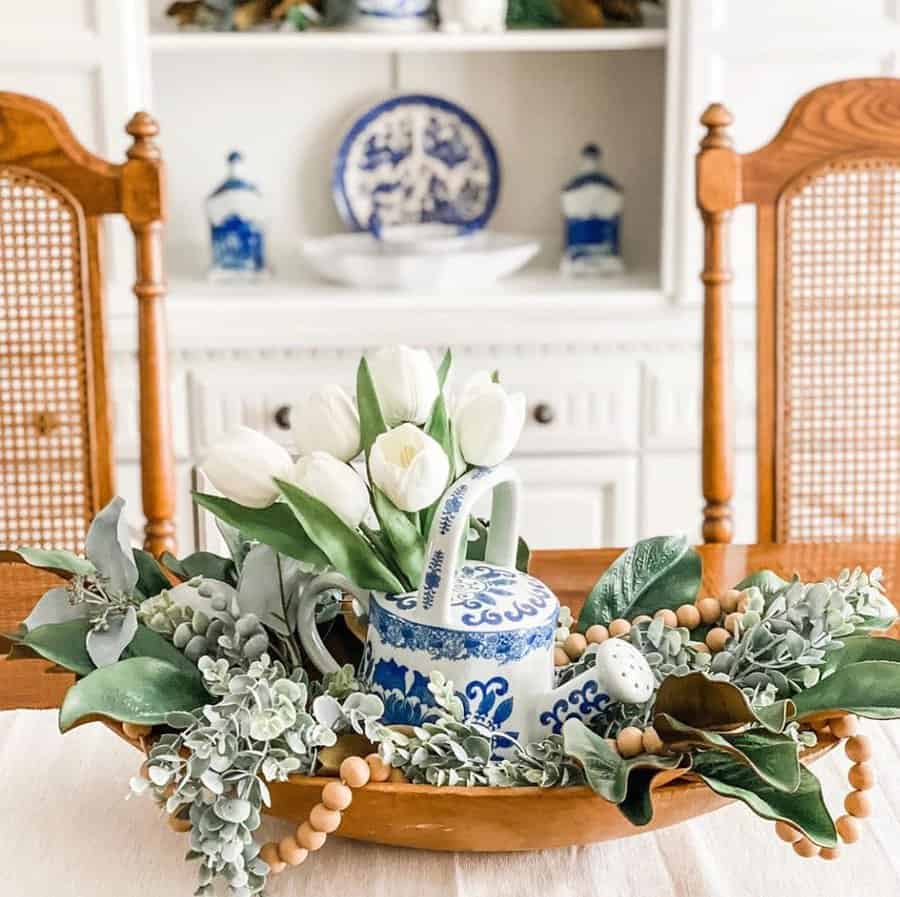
[716, 120]
[143, 128]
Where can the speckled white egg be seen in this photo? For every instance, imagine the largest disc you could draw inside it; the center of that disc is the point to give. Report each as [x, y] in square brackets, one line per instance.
[623, 673]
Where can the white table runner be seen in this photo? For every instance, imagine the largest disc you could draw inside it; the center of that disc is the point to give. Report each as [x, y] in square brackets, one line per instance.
[66, 831]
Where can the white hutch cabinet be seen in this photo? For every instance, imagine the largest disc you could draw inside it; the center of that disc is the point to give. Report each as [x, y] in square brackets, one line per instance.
[611, 368]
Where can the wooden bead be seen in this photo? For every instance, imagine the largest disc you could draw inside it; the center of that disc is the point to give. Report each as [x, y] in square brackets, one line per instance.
[560, 658]
[642, 618]
[858, 748]
[729, 600]
[575, 645]
[716, 639]
[830, 853]
[668, 617]
[337, 796]
[710, 610]
[700, 646]
[688, 616]
[651, 741]
[135, 731]
[269, 855]
[355, 772]
[596, 634]
[844, 726]
[378, 769]
[857, 804]
[861, 776]
[630, 741]
[308, 837]
[743, 605]
[291, 852]
[787, 832]
[619, 628]
[179, 824]
[324, 820]
[805, 848]
[733, 622]
[848, 829]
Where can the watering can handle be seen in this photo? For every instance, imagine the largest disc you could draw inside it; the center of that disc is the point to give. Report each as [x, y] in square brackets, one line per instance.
[450, 527]
[306, 617]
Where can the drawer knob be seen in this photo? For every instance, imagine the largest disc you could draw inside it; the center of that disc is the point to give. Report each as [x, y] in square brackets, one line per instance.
[543, 413]
[283, 417]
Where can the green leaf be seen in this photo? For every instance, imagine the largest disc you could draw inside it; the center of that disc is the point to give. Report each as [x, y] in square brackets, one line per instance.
[147, 643]
[440, 429]
[151, 579]
[766, 581]
[803, 808]
[637, 805]
[404, 537]
[202, 563]
[663, 572]
[63, 644]
[870, 688]
[444, 367]
[698, 701]
[138, 690]
[347, 549]
[606, 771]
[371, 419]
[858, 648]
[275, 526]
[476, 548]
[774, 758]
[52, 559]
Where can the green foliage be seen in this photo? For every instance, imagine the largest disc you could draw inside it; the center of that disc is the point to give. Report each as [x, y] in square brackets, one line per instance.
[533, 14]
[657, 573]
[803, 807]
[52, 559]
[476, 548]
[347, 549]
[870, 689]
[202, 563]
[371, 419]
[151, 578]
[404, 538]
[275, 526]
[62, 644]
[138, 690]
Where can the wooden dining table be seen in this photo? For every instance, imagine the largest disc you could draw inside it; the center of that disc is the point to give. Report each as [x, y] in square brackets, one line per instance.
[65, 830]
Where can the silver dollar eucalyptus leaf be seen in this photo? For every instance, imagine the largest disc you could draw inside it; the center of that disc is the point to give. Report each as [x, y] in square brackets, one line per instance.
[268, 583]
[105, 646]
[55, 607]
[108, 547]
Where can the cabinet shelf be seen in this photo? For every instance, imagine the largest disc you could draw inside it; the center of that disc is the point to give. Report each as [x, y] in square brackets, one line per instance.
[526, 40]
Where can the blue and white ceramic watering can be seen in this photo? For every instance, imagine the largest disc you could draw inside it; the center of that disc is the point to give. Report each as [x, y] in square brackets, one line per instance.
[487, 627]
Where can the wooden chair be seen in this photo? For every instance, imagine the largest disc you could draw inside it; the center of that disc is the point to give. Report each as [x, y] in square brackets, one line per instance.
[827, 197]
[56, 462]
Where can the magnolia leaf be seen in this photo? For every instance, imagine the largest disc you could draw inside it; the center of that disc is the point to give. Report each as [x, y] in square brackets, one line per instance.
[774, 758]
[54, 607]
[140, 690]
[234, 541]
[202, 563]
[105, 647]
[403, 535]
[275, 526]
[151, 578]
[606, 771]
[663, 572]
[267, 585]
[51, 559]
[62, 644]
[347, 549]
[802, 808]
[637, 805]
[766, 581]
[700, 702]
[858, 648]
[147, 643]
[108, 547]
[371, 419]
[476, 548]
[870, 688]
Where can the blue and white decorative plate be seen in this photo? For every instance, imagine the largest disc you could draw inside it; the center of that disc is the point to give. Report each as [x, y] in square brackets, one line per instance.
[416, 159]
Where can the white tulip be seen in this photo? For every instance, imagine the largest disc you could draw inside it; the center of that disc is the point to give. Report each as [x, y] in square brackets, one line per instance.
[406, 383]
[335, 484]
[488, 421]
[243, 467]
[327, 421]
[409, 467]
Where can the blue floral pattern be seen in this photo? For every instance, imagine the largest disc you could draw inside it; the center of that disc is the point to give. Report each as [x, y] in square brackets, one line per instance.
[504, 646]
[490, 592]
[407, 601]
[407, 700]
[482, 704]
[585, 703]
[432, 581]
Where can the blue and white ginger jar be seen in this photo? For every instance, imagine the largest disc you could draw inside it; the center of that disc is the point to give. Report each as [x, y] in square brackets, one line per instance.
[236, 223]
[592, 204]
